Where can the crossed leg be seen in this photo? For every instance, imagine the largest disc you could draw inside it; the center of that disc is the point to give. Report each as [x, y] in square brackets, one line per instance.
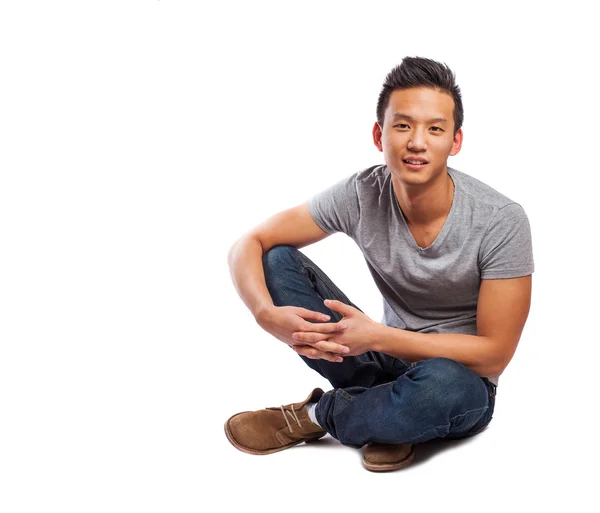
[378, 398]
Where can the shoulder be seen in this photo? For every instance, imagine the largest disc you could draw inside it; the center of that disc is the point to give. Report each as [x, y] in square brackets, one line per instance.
[372, 182]
[485, 202]
[371, 175]
[477, 191]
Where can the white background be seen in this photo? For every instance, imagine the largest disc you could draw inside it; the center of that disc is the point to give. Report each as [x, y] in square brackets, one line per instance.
[139, 140]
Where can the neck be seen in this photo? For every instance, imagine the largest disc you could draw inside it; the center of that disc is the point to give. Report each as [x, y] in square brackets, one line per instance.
[424, 204]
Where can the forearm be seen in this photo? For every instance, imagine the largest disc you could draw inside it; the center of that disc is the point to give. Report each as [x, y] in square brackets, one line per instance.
[475, 352]
[248, 275]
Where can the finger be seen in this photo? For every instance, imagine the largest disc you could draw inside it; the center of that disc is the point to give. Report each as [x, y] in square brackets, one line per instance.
[309, 337]
[317, 316]
[324, 327]
[315, 354]
[338, 306]
[331, 347]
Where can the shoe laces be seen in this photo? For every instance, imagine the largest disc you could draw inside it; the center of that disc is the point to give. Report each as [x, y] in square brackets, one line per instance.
[293, 416]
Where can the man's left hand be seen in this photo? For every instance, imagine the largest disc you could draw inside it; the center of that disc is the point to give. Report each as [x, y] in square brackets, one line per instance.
[360, 331]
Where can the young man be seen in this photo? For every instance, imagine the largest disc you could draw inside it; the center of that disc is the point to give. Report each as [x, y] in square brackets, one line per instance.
[452, 258]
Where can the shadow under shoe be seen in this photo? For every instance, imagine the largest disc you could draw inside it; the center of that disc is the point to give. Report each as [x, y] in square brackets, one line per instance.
[383, 457]
[275, 428]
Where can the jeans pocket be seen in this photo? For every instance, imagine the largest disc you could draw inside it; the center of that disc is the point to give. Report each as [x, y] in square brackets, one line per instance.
[368, 358]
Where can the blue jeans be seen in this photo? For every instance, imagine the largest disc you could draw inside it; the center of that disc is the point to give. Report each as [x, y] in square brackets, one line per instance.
[376, 397]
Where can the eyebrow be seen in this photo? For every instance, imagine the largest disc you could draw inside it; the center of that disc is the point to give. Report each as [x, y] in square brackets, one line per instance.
[400, 115]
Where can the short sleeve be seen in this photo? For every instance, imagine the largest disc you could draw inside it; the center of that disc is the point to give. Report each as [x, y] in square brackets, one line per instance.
[336, 209]
[506, 250]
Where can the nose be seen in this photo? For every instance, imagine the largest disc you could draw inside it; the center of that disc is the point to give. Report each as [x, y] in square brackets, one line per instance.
[417, 141]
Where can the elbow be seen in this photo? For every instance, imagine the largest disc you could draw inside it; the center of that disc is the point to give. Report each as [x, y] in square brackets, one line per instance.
[492, 372]
[497, 359]
[233, 248]
[231, 254]
[495, 368]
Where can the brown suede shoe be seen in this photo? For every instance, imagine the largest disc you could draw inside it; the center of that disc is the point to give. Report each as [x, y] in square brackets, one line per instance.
[274, 429]
[382, 457]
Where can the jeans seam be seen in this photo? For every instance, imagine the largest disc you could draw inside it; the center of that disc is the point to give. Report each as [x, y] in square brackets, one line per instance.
[470, 411]
[345, 299]
[450, 420]
[345, 394]
[330, 285]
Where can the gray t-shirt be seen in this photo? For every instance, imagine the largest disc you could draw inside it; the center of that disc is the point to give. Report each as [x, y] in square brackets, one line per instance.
[433, 289]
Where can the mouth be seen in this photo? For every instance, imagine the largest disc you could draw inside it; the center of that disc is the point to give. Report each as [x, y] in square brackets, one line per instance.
[415, 163]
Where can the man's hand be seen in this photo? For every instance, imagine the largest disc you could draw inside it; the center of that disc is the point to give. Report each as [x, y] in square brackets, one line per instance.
[282, 321]
[358, 333]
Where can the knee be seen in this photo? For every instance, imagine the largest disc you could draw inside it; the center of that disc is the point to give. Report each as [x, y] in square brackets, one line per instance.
[279, 264]
[444, 370]
[278, 257]
[449, 381]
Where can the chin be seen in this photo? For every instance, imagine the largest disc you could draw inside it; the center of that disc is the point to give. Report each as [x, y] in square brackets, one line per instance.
[411, 175]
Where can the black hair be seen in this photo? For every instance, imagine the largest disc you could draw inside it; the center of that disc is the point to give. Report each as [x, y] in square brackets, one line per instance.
[421, 72]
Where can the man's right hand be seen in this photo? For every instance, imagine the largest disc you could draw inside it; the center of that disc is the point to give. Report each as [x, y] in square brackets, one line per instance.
[282, 321]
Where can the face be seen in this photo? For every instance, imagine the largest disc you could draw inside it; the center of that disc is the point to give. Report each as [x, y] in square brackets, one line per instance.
[418, 124]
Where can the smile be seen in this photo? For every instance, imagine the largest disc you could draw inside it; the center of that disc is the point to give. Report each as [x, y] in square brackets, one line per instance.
[415, 164]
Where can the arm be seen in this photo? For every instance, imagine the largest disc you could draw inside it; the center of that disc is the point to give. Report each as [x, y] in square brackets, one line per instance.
[502, 310]
[294, 227]
[247, 274]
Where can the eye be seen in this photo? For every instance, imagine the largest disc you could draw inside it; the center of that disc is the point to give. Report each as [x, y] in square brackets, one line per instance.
[400, 124]
[438, 128]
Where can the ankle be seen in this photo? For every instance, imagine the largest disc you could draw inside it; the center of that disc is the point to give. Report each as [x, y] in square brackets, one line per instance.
[310, 408]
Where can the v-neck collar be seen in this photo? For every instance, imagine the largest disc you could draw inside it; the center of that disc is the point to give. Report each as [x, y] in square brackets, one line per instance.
[445, 228]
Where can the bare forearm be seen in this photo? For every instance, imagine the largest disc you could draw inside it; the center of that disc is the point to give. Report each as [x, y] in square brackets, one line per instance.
[473, 351]
[248, 275]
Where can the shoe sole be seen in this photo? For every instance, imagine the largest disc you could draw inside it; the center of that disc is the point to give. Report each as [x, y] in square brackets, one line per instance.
[383, 467]
[249, 450]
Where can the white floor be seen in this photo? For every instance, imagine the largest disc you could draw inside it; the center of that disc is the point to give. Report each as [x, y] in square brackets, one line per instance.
[139, 140]
[526, 459]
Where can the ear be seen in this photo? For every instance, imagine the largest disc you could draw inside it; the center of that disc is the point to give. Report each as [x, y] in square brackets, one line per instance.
[377, 136]
[457, 143]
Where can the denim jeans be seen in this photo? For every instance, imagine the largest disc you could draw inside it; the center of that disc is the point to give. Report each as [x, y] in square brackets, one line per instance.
[376, 397]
